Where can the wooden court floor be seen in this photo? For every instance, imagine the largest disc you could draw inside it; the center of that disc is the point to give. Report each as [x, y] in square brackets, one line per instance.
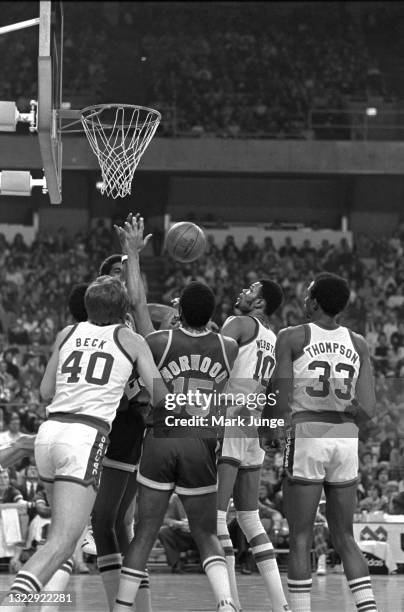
[191, 593]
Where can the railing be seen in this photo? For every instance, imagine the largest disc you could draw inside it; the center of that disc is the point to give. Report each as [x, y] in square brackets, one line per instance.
[365, 123]
[368, 123]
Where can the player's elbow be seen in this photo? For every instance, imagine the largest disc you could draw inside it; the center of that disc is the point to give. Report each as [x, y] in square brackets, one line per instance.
[46, 390]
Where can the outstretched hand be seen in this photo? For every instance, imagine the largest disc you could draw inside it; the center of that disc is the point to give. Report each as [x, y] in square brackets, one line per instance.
[131, 234]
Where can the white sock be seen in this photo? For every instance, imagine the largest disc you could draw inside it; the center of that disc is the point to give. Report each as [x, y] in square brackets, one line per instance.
[143, 597]
[24, 582]
[58, 582]
[362, 592]
[129, 584]
[300, 595]
[264, 556]
[109, 567]
[216, 570]
[225, 541]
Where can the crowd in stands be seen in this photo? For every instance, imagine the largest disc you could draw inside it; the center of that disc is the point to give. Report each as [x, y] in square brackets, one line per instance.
[241, 69]
[35, 281]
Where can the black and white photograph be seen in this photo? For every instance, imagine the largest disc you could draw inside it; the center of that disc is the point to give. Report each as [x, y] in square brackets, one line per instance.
[201, 306]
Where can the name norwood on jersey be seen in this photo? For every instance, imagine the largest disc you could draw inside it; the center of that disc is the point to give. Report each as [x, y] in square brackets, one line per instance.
[196, 363]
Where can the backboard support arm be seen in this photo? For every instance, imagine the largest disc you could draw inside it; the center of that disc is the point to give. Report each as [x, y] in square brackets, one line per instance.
[20, 25]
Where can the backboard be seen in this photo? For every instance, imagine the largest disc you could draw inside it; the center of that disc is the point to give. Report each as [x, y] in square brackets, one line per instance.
[50, 84]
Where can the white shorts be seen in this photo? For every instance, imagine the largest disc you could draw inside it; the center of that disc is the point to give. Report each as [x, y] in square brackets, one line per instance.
[70, 451]
[330, 459]
[241, 448]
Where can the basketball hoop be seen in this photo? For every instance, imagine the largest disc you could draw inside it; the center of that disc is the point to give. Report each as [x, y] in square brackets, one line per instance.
[119, 135]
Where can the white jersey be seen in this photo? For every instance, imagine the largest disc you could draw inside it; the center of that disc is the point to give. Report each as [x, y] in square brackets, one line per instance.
[325, 374]
[92, 371]
[255, 362]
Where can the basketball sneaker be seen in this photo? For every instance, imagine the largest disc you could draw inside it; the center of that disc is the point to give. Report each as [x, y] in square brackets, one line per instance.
[88, 546]
[226, 605]
[322, 565]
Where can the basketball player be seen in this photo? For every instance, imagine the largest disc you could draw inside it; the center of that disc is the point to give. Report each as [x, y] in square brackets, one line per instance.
[241, 456]
[86, 375]
[113, 512]
[180, 458]
[324, 371]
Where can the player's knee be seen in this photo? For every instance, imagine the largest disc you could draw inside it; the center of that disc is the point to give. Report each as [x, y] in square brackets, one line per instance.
[202, 530]
[301, 540]
[342, 540]
[103, 524]
[60, 547]
[250, 523]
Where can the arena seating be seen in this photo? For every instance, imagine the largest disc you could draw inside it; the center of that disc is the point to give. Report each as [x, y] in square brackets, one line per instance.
[255, 70]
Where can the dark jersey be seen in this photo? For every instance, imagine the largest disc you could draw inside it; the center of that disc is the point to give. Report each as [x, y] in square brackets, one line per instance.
[126, 435]
[195, 368]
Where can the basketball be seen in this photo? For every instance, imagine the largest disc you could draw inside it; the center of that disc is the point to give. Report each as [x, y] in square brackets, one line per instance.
[185, 241]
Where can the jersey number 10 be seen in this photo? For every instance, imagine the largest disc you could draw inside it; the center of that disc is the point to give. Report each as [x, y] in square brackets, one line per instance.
[264, 368]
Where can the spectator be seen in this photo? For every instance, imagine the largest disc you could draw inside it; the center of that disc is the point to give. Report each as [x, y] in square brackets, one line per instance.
[30, 488]
[374, 500]
[8, 493]
[382, 478]
[12, 432]
[12, 368]
[388, 444]
[175, 534]
[398, 504]
[381, 354]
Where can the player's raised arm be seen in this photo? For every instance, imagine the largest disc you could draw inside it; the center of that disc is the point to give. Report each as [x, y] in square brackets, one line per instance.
[48, 383]
[240, 328]
[282, 378]
[138, 349]
[231, 349]
[365, 389]
[279, 389]
[132, 242]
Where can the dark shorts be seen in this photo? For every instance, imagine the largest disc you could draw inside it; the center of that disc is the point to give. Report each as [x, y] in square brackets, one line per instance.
[186, 465]
[126, 439]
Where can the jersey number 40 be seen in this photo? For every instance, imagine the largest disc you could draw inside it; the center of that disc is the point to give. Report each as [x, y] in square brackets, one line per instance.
[72, 367]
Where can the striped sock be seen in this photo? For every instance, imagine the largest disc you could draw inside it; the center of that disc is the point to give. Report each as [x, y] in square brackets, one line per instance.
[216, 570]
[129, 584]
[264, 556]
[227, 545]
[299, 591]
[362, 592]
[25, 582]
[109, 567]
[58, 582]
[143, 597]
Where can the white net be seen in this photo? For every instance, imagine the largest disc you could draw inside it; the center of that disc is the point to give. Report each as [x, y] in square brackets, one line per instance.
[119, 135]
